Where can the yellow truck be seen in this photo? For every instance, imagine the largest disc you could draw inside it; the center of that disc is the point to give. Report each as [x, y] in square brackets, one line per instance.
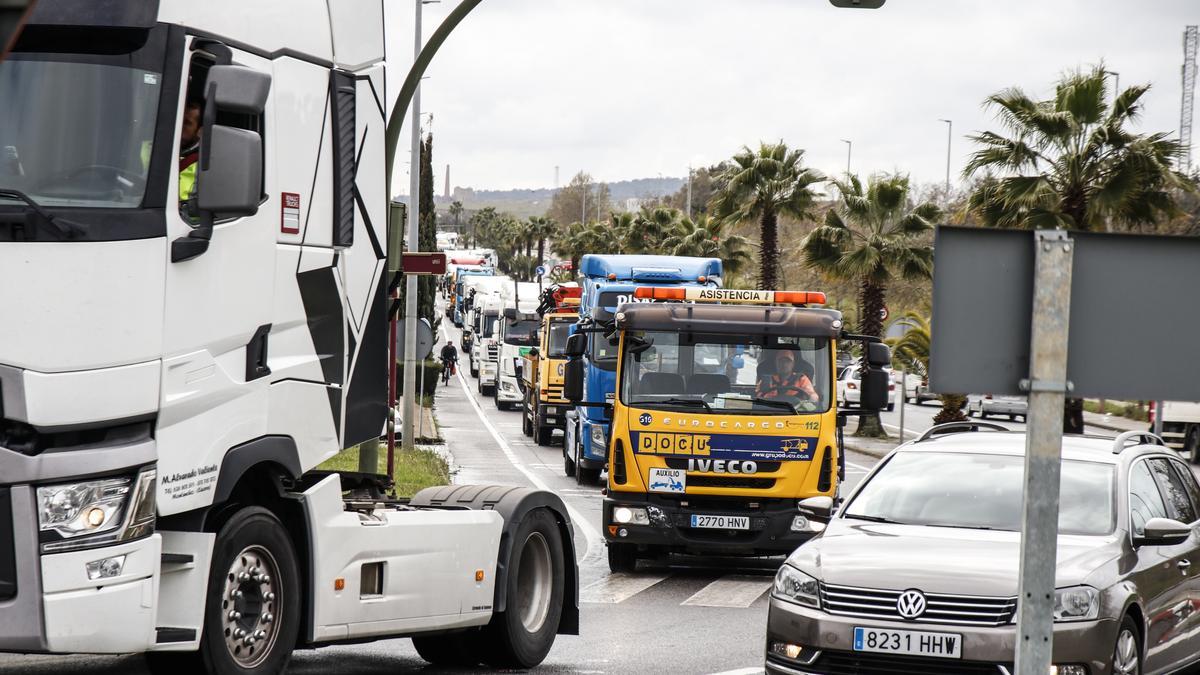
[725, 420]
[545, 409]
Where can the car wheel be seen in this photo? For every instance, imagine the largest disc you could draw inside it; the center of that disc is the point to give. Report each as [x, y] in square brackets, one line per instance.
[1192, 445]
[1127, 654]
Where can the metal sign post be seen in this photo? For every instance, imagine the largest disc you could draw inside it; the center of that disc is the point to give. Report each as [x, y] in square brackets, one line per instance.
[903, 399]
[1047, 386]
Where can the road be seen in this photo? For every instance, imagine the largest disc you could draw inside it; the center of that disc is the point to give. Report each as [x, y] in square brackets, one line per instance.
[706, 617]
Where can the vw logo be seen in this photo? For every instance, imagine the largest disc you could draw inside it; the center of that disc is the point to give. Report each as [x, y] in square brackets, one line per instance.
[911, 604]
[645, 419]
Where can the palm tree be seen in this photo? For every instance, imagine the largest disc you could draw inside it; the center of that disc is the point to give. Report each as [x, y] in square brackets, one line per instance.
[912, 350]
[456, 210]
[542, 228]
[705, 237]
[762, 186]
[870, 237]
[1071, 162]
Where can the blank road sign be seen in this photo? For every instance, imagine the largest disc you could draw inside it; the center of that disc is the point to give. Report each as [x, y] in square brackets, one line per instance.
[1135, 314]
[423, 263]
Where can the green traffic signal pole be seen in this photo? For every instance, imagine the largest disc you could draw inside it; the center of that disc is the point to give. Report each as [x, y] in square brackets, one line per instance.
[368, 458]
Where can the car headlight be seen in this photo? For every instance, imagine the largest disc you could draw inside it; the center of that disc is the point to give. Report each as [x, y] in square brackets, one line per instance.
[630, 515]
[599, 442]
[795, 586]
[1076, 603]
[111, 509]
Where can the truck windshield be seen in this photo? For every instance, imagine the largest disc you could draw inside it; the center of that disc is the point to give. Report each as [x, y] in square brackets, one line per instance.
[489, 325]
[77, 129]
[521, 333]
[559, 332]
[767, 375]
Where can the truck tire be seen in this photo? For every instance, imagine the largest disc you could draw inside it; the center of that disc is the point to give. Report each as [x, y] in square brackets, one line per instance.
[1191, 443]
[568, 461]
[545, 435]
[254, 575]
[622, 557]
[526, 423]
[474, 370]
[456, 649]
[587, 476]
[521, 636]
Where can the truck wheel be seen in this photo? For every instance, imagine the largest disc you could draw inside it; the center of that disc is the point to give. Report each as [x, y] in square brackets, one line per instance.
[585, 476]
[526, 424]
[622, 557]
[1191, 444]
[521, 635]
[545, 435]
[252, 615]
[568, 461]
[474, 370]
[456, 649]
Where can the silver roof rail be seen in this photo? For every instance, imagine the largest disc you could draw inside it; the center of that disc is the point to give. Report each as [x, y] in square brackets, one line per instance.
[958, 427]
[1121, 442]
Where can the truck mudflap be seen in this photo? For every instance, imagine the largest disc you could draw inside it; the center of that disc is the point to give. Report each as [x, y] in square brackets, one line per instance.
[513, 504]
[724, 526]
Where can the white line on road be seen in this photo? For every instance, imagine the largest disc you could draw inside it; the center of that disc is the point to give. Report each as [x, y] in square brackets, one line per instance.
[618, 587]
[860, 467]
[730, 591]
[595, 543]
[753, 670]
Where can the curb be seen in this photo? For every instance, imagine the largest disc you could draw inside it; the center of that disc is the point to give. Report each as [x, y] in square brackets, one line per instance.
[877, 453]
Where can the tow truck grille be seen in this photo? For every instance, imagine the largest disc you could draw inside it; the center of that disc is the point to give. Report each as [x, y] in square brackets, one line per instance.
[959, 610]
[738, 482]
[554, 394]
[8, 563]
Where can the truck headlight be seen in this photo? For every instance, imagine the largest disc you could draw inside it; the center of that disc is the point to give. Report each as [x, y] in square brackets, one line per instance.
[1076, 603]
[598, 440]
[630, 515]
[549, 410]
[795, 586]
[113, 509]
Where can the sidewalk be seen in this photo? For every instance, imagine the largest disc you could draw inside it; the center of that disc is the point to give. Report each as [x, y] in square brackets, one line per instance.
[426, 426]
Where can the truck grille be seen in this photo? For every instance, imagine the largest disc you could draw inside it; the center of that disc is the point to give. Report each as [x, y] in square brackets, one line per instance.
[858, 663]
[960, 610]
[554, 394]
[739, 482]
[8, 562]
[493, 352]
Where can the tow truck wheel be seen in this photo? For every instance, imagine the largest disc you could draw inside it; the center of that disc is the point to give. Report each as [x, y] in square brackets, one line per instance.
[521, 635]
[622, 557]
[252, 616]
[545, 435]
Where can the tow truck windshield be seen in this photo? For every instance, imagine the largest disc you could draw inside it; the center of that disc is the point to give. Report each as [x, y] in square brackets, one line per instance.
[77, 129]
[559, 332]
[759, 375]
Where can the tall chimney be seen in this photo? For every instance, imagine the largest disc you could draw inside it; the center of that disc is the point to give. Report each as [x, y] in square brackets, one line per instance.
[447, 181]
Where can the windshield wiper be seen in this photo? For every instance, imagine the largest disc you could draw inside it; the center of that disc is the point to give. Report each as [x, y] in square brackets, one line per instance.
[678, 401]
[65, 228]
[775, 403]
[875, 519]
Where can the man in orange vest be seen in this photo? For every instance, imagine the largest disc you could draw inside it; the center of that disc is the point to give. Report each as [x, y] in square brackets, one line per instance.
[786, 382]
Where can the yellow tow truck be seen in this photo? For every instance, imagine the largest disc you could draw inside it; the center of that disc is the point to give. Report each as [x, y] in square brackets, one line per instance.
[544, 408]
[725, 420]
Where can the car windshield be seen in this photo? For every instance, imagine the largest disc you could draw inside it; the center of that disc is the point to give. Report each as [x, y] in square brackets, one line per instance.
[559, 332]
[77, 129]
[773, 375]
[980, 491]
[521, 333]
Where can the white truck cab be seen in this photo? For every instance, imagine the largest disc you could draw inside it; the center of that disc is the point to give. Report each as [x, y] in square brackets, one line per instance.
[517, 334]
[174, 367]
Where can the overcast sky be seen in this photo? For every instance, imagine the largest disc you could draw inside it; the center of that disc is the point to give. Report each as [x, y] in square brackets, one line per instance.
[636, 88]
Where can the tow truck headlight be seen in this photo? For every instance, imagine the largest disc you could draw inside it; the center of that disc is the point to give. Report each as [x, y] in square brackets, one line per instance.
[1076, 603]
[631, 515]
[598, 441]
[112, 509]
[795, 586]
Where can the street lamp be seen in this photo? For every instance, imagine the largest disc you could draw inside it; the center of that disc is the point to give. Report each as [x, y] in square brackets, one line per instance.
[949, 128]
[1116, 83]
[849, 147]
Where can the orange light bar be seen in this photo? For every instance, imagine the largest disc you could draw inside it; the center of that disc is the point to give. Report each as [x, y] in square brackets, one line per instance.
[800, 297]
[659, 293]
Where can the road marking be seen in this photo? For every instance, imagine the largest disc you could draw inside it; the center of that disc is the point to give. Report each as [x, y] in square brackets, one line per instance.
[860, 467]
[618, 587]
[730, 591]
[595, 543]
[753, 670]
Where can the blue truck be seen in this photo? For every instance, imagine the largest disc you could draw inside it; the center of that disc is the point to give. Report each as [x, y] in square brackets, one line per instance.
[608, 282]
[460, 311]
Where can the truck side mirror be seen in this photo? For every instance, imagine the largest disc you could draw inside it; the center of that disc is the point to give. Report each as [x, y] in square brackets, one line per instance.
[573, 380]
[576, 345]
[878, 355]
[510, 313]
[875, 384]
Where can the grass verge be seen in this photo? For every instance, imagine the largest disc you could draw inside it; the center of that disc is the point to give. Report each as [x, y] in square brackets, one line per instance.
[415, 469]
[1129, 410]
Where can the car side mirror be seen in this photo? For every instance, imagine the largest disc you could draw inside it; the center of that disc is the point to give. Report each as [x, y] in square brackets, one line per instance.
[878, 355]
[820, 507]
[576, 345]
[874, 389]
[573, 380]
[1162, 532]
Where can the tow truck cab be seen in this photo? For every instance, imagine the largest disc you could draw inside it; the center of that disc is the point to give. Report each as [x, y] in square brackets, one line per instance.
[724, 420]
[609, 281]
[542, 369]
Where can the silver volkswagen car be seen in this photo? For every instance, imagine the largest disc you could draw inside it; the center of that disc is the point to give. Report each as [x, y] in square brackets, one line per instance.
[917, 571]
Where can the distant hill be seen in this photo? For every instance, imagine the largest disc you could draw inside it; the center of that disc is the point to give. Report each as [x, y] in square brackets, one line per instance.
[526, 203]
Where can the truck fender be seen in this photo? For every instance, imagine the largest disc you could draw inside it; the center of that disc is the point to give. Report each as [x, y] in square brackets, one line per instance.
[279, 450]
[513, 503]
